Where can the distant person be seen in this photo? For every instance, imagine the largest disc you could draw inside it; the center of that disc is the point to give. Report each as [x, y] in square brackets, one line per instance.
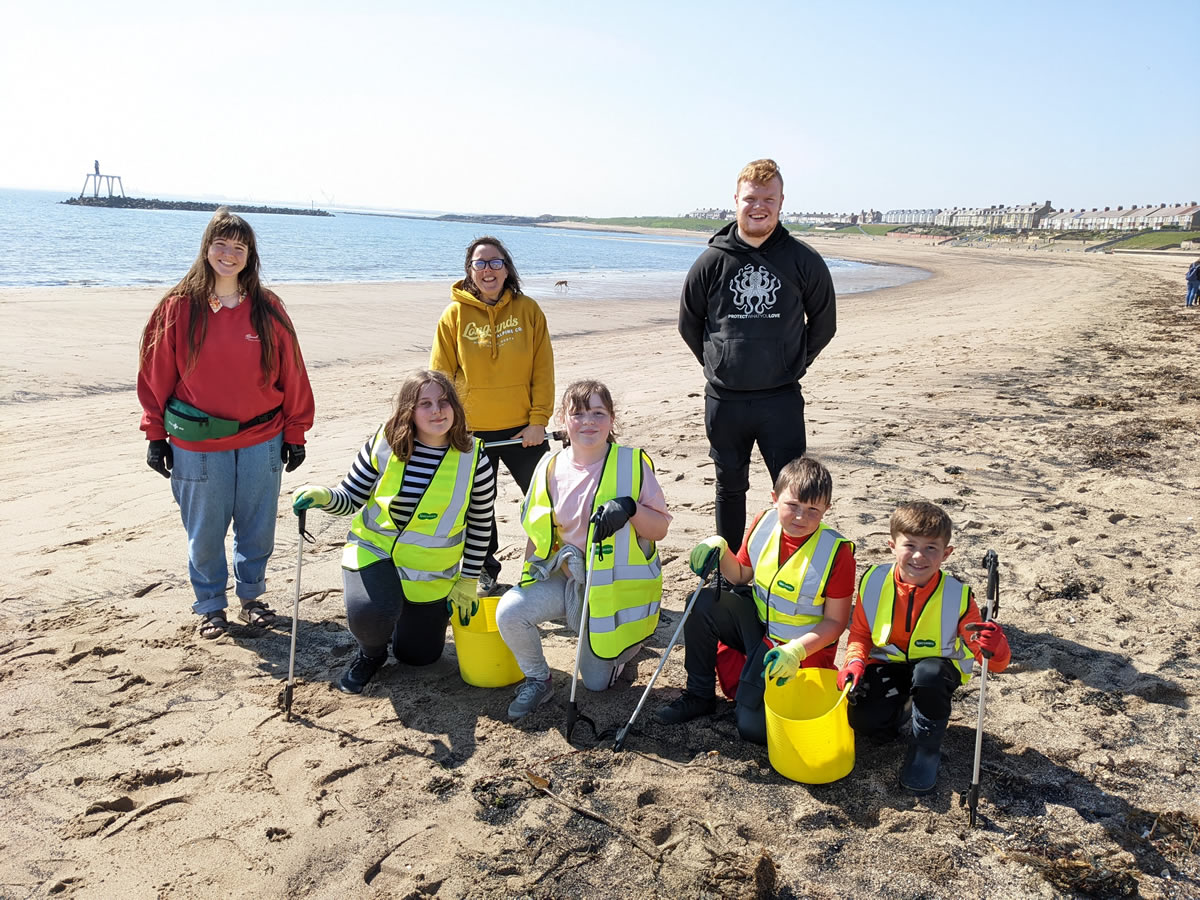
[97, 162]
[592, 491]
[493, 342]
[1193, 284]
[757, 307]
[421, 492]
[221, 376]
[916, 636]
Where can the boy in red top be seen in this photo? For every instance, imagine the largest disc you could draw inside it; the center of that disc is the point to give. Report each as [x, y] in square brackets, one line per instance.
[802, 573]
[915, 637]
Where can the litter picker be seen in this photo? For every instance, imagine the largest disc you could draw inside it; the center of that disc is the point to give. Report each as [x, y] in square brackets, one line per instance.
[287, 691]
[709, 568]
[573, 713]
[560, 436]
[991, 562]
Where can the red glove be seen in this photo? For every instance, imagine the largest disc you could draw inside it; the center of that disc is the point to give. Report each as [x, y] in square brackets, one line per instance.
[990, 638]
[851, 673]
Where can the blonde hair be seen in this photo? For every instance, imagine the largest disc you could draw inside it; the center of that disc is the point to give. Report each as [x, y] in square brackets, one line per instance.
[578, 398]
[921, 519]
[760, 171]
[400, 429]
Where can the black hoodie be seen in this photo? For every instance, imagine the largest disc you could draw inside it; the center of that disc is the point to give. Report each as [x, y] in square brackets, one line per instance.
[757, 318]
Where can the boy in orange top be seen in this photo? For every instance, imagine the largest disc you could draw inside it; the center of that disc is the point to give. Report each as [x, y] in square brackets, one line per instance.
[915, 636]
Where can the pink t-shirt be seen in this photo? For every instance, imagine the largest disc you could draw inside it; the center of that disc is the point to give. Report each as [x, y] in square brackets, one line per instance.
[571, 490]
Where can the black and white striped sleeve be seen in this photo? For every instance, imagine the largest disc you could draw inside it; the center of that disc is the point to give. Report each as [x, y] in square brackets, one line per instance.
[479, 518]
[356, 487]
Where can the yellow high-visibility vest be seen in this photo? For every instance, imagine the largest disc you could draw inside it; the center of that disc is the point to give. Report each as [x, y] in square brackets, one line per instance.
[428, 551]
[626, 586]
[936, 630]
[791, 597]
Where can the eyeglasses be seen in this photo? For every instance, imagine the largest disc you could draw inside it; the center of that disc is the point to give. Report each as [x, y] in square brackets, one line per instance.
[480, 264]
[595, 415]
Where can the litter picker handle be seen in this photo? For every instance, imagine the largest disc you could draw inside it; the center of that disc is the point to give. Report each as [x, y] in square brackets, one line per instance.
[560, 436]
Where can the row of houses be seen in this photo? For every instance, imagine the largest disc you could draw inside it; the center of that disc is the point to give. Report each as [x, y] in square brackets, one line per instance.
[1044, 217]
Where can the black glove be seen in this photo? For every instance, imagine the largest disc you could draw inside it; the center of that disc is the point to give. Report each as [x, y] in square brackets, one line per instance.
[291, 455]
[160, 457]
[611, 518]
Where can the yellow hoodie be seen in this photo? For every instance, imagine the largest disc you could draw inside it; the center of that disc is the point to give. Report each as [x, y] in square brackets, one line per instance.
[499, 357]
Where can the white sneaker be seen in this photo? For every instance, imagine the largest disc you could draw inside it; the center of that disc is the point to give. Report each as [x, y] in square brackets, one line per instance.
[530, 695]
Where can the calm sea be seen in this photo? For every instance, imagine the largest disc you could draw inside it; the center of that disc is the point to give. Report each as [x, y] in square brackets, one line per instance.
[43, 244]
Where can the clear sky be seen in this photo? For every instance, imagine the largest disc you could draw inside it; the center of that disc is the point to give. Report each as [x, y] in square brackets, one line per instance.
[606, 108]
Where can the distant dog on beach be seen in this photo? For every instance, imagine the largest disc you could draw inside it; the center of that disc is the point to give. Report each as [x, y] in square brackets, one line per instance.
[561, 286]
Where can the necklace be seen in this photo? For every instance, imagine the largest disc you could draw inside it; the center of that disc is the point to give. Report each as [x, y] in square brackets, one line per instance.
[228, 301]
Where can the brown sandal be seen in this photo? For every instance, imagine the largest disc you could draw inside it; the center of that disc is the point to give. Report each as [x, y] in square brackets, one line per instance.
[256, 614]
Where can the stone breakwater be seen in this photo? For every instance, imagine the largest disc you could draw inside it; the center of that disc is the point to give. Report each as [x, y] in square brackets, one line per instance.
[191, 205]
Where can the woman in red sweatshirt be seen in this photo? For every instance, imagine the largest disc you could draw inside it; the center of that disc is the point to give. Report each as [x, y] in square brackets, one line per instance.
[220, 374]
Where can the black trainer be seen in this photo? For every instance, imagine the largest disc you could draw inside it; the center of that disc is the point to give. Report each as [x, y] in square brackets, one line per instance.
[361, 671]
[685, 708]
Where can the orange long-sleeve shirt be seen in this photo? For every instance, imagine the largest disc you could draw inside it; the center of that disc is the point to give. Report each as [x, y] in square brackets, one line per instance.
[910, 597]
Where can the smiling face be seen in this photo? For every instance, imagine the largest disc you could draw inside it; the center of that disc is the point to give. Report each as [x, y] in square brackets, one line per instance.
[433, 415]
[589, 428]
[758, 207]
[227, 257]
[488, 281]
[918, 558]
[798, 517]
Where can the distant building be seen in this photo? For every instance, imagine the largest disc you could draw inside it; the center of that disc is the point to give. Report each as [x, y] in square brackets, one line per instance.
[1136, 218]
[710, 213]
[910, 216]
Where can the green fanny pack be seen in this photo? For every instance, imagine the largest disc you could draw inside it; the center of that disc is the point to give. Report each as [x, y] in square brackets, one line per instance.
[184, 421]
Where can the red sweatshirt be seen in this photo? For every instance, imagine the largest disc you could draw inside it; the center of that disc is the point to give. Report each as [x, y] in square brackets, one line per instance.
[907, 595]
[227, 380]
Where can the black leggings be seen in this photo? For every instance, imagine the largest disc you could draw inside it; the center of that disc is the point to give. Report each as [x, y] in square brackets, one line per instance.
[520, 462]
[879, 709]
[377, 611]
[734, 424]
[732, 619]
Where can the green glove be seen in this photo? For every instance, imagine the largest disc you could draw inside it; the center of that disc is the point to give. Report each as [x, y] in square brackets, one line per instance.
[463, 598]
[782, 662]
[702, 559]
[308, 496]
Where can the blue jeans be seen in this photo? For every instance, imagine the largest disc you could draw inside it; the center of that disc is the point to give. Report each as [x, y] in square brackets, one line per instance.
[214, 489]
[1193, 290]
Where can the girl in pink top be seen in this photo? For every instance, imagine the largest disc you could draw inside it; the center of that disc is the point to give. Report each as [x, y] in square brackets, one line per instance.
[587, 412]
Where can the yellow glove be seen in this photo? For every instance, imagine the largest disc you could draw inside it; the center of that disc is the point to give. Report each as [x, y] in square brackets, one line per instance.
[782, 662]
[308, 496]
[701, 560]
[462, 598]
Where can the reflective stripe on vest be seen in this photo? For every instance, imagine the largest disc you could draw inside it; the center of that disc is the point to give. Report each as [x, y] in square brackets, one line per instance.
[626, 583]
[933, 635]
[428, 551]
[790, 598]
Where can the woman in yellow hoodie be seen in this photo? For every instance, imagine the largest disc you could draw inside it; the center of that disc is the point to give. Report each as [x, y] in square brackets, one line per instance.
[492, 340]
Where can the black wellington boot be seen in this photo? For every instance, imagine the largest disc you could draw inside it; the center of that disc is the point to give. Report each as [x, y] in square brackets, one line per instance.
[920, 771]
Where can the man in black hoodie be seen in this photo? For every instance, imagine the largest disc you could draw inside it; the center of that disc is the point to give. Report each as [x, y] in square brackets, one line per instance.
[757, 308]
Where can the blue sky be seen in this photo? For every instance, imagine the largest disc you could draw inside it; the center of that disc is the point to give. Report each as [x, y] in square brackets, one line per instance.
[607, 109]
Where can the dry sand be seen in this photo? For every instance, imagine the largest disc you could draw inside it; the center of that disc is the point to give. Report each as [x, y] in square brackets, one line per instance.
[1049, 401]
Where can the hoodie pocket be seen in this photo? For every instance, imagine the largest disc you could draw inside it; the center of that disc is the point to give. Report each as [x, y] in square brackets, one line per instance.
[745, 364]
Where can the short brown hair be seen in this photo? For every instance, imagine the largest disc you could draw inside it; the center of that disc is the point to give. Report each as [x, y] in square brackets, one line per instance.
[578, 397]
[921, 519]
[400, 430]
[807, 478]
[760, 171]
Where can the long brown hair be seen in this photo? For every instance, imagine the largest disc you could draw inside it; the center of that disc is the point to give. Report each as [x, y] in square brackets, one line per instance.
[194, 290]
[400, 429]
[512, 281]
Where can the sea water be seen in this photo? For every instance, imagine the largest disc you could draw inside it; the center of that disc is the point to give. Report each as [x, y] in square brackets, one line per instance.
[44, 243]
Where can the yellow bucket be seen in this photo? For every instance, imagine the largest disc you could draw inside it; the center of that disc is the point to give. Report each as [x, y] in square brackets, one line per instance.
[808, 735]
[484, 660]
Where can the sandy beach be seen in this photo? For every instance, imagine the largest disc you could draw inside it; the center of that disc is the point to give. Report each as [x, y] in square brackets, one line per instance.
[1048, 400]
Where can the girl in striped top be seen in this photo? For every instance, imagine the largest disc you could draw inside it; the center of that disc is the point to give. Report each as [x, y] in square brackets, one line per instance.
[421, 492]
